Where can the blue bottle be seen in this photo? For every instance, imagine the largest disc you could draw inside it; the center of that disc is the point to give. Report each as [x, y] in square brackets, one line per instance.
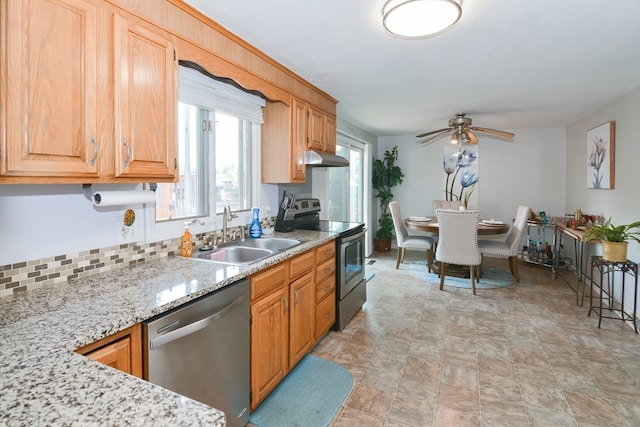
[255, 228]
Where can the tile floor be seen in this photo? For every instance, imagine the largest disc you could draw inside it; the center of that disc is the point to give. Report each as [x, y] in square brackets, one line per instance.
[525, 355]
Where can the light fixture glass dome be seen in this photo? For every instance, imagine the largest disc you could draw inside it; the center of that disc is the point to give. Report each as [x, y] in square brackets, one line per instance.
[420, 18]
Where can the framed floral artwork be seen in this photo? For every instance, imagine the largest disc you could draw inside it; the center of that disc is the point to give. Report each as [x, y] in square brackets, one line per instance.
[460, 164]
[601, 156]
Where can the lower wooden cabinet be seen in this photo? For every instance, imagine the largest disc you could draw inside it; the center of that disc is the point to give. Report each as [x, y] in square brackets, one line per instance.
[325, 312]
[292, 307]
[122, 351]
[269, 343]
[302, 298]
[325, 288]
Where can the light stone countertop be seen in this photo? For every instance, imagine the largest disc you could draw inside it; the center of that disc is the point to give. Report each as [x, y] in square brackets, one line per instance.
[43, 382]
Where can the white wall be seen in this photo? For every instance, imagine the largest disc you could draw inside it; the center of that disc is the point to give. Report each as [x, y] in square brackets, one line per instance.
[38, 221]
[622, 203]
[530, 171]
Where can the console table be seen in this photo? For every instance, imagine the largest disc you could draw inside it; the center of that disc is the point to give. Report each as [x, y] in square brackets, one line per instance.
[581, 257]
[608, 269]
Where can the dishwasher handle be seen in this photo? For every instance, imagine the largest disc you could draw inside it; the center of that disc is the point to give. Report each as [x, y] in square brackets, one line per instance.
[195, 326]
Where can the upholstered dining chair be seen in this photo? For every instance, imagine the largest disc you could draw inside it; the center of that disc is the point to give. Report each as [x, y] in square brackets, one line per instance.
[458, 241]
[407, 241]
[445, 204]
[509, 247]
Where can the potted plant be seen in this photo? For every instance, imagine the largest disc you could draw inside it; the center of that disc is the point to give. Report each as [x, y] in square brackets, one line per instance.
[386, 175]
[614, 238]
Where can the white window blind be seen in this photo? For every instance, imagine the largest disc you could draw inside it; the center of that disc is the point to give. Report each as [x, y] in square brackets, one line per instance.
[198, 89]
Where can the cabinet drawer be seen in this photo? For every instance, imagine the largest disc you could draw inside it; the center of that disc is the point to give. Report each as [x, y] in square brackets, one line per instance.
[268, 280]
[325, 315]
[326, 251]
[324, 288]
[301, 264]
[325, 270]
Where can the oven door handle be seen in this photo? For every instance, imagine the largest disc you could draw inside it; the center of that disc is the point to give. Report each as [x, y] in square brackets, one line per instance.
[354, 237]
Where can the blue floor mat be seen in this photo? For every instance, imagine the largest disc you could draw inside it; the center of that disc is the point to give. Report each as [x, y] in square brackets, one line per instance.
[310, 396]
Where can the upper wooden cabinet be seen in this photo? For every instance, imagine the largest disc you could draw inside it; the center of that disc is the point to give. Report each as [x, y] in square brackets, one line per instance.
[284, 139]
[77, 80]
[288, 131]
[145, 97]
[330, 129]
[49, 91]
[321, 131]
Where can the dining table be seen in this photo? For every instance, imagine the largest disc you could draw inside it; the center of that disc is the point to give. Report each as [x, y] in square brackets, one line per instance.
[486, 227]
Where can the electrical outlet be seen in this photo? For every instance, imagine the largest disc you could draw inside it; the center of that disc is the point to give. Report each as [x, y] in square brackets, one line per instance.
[126, 234]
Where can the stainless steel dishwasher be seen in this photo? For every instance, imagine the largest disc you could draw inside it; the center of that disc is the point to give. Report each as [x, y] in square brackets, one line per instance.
[201, 350]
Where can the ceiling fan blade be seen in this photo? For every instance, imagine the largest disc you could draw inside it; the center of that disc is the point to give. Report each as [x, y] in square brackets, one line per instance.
[436, 137]
[432, 132]
[495, 132]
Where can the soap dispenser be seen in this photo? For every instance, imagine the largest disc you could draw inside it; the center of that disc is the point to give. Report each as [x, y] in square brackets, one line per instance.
[186, 245]
[255, 228]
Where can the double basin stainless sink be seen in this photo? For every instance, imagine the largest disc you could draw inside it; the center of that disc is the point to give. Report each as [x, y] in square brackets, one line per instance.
[247, 252]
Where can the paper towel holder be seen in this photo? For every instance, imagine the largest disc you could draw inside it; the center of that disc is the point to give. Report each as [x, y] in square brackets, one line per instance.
[87, 189]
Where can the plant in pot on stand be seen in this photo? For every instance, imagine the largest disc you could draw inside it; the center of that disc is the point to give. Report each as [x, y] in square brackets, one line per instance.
[386, 175]
[614, 238]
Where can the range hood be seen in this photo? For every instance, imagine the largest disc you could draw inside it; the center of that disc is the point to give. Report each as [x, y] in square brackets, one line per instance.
[316, 158]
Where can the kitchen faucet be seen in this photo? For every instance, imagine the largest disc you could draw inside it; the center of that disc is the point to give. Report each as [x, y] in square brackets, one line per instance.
[227, 215]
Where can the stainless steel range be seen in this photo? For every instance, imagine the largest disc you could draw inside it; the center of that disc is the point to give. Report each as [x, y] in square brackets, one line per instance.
[351, 287]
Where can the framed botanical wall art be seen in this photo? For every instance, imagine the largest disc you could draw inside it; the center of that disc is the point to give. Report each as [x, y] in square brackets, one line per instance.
[601, 156]
[460, 164]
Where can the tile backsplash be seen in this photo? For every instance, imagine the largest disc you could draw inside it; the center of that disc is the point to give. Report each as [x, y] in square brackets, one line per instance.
[27, 275]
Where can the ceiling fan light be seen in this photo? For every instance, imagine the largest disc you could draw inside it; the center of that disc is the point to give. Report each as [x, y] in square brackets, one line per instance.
[465, 138]
[420, 18]
[455, 138]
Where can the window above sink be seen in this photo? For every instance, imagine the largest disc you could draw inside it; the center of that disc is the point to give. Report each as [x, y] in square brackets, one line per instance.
[218, 134]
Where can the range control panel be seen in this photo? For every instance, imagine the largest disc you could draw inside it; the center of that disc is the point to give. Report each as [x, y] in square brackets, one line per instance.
[303, 206]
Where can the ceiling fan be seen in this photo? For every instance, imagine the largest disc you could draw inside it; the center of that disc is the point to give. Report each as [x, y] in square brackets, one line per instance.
[461, 132]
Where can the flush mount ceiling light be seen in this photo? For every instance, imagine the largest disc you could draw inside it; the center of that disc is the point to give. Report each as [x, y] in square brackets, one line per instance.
[414, 19]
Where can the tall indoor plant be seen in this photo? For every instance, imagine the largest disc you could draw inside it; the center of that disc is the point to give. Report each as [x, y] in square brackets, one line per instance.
[386, 175]
[614, 238]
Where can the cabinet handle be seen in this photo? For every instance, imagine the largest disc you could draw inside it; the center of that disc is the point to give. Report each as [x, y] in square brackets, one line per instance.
[286, 305]
[126, 161]
[95, 150]
[296, 300]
